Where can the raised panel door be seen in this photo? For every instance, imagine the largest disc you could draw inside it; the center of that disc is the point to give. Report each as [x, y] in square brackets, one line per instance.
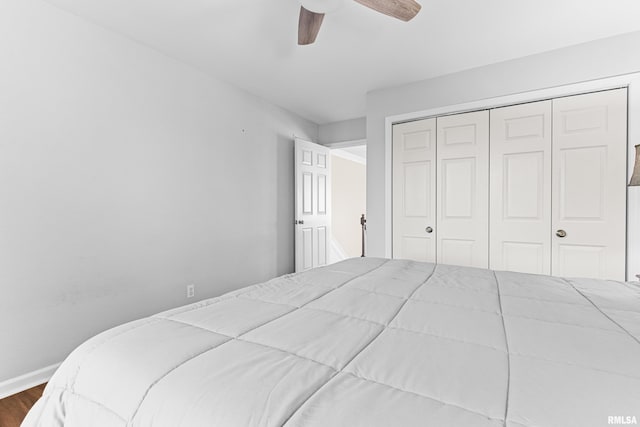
[520, 188]
[312, 205]
[414, 176]
[589, 185]
[462, 189]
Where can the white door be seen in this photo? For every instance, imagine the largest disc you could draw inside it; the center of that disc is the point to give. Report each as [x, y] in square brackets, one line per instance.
[463, 189]
[312, 204]
[520, 188]
[414, 190]
[589, 185]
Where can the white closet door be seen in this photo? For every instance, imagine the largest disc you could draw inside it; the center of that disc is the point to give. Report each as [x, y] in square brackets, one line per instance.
[520, 210]
[589, 185]
[414, 189]
[462, 189]
[312, 204]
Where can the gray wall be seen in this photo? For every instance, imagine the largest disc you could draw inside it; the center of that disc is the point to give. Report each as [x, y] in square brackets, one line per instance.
[345, 130]
[594, 60]
[124, 177]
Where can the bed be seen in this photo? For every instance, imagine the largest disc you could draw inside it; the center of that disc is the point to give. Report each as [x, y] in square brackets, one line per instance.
[366, 342]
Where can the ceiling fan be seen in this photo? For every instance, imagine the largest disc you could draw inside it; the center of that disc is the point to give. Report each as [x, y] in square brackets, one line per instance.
[312, 13]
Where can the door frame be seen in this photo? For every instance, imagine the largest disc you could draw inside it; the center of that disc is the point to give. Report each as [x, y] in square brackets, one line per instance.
[629, 81]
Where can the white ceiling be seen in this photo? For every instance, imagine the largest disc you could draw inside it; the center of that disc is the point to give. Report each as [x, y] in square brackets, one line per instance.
[252, 43]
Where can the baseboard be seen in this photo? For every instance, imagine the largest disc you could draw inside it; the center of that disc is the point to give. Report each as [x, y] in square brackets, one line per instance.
[26, 381]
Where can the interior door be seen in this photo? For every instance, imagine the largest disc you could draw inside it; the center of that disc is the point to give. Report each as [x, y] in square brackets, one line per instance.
[520, 191]
[463, 189]
[589, 185]
[312, 204]
[414, 190]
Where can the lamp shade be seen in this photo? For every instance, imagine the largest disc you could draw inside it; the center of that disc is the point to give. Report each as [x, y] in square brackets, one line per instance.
[635, 178]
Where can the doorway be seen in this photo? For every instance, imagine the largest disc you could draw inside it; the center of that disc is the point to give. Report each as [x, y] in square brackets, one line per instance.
[349, 200]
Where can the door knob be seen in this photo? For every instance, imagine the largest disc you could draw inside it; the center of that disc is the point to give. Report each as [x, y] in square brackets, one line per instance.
[429, 230]
[300, 222]
[561, 233]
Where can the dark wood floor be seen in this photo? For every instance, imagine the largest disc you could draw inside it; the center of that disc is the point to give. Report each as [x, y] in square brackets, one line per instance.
[14, 408]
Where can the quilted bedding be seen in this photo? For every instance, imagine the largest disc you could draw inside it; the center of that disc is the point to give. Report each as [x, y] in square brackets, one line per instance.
[366, 342]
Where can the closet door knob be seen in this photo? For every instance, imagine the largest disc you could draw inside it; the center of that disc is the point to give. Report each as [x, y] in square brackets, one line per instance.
[561, 233]
[429, 230]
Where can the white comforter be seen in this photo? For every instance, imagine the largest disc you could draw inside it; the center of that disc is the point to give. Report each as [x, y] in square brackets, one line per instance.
[366, 342]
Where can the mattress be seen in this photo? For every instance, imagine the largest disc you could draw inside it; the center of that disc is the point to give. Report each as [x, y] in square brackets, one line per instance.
[366, 342]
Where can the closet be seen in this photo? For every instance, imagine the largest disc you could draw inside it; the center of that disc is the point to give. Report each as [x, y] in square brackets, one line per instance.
[537, 187]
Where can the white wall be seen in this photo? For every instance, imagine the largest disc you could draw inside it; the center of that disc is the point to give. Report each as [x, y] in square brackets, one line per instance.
[594, 60]
[345, 130]
[125, 176]
[348, 202]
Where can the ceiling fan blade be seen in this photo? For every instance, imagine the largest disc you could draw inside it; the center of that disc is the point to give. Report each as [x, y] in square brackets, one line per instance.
[308, 26]
[404, 10]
